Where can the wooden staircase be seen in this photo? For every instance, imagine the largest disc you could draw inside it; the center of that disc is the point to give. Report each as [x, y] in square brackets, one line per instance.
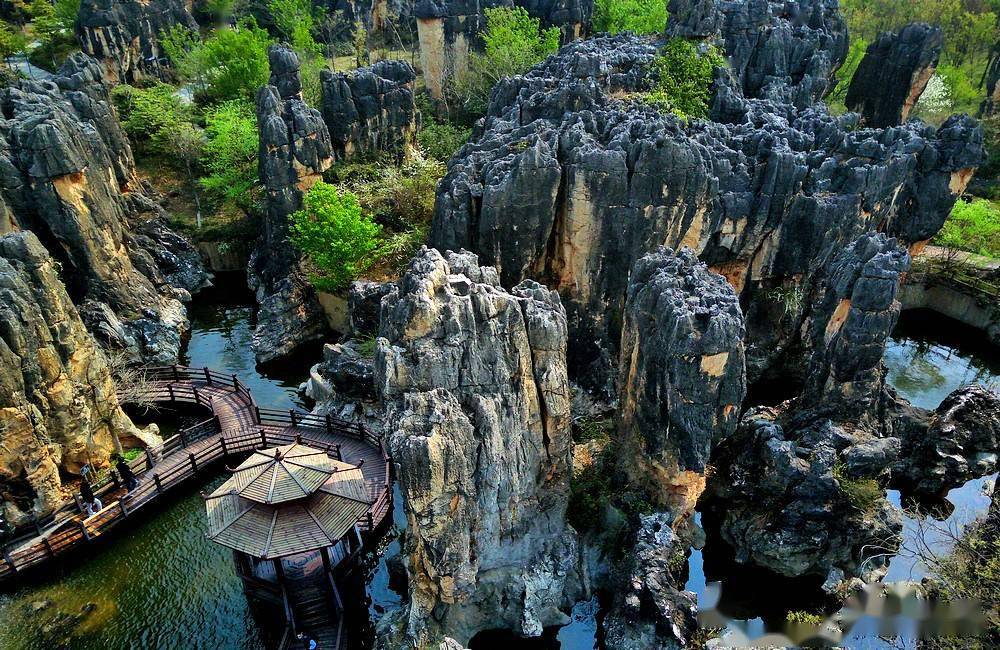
[318, 614]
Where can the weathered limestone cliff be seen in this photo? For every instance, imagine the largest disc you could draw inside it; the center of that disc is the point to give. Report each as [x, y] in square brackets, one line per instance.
[474, 382]
[371, 110]
[294, 151]
[786, 52]
[781, 500]
[570, 183]
[124, 35]
[58, 407]
[893, 74]
[449, 30]
[682, 371]
[850, 326]
[960, 443]
[67, 174]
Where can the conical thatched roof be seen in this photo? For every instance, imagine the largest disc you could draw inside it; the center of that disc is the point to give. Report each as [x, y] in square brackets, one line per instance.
[282, 474]
[285, 501]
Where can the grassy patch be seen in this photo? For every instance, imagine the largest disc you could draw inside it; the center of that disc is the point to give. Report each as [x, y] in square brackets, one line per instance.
[972, 226]
[864, 494]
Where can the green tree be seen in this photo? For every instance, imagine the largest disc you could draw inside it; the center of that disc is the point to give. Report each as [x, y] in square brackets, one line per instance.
[230, 154]
[187, 144]
[149, 115]
[338, 240]
[513, 41]
[684, 78]
[12, 41]
[230, 64]
[52, 25]
[637, 16]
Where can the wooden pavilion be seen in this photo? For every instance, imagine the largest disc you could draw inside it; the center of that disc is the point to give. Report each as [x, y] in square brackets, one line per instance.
[290, 516]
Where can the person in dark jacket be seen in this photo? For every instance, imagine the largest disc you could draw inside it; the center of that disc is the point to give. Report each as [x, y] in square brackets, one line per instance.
[125, 472]
[91, 504]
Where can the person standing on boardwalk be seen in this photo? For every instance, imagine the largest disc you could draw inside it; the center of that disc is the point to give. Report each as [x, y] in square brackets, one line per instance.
[91, 504]
[126, 474]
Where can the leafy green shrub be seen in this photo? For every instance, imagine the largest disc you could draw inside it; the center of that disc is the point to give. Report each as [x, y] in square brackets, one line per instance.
[593, 429]
[400, 196]
[801, 617]
[52, 26]
[296, 20]
[12, 41]
[230, 64]
[230, 154]
[440, 140]
[150, 115]
[864, 494]
[684, 78]
[513, 42]
[637, 16]
[972, 226]
[332, 232]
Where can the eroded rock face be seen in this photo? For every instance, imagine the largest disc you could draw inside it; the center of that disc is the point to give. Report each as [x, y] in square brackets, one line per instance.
[570, 184]
[474, 382]
[294, 151]
[371, 110]
[125, 35]
[782, 500]
[449, 30]
[651, 611]
[851, 324]
[893, 74]
[782, 51]
[67, 174]
[58, 406]
[682, 370]
[961, 443]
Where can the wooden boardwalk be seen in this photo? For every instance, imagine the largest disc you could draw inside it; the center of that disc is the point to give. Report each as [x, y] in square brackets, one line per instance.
[235, 426]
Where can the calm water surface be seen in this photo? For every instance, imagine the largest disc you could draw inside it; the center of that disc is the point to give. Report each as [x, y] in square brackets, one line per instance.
[164, 585]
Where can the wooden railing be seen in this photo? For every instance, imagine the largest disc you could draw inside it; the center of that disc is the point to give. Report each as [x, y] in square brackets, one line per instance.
[194, 449]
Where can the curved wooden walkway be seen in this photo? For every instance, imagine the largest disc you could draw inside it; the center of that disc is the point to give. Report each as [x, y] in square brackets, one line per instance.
[237, 426]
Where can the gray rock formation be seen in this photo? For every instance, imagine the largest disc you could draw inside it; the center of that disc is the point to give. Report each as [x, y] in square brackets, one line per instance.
[474, 381]
[294, 151]
[781, 500]
[893, 74]
[58, 406]
[570, 184]
[782, 51]
[991, 102]
[449, 30]
[371, 110]
[124, 35]
[67, 174]
[961, 443]
[850, 326]
[651, 611]
[682, 373]
[364, 304]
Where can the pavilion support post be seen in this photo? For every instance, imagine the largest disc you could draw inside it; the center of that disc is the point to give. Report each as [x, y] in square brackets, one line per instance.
[256, 412]
[236, 384]
[159, 486]
[222, 441]
[170, 391]
[194, 463]
[263, 438]
[48, 546]
[10, 561]
[83, 529]
[291, 416]
[208, 376]
[329, 424]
